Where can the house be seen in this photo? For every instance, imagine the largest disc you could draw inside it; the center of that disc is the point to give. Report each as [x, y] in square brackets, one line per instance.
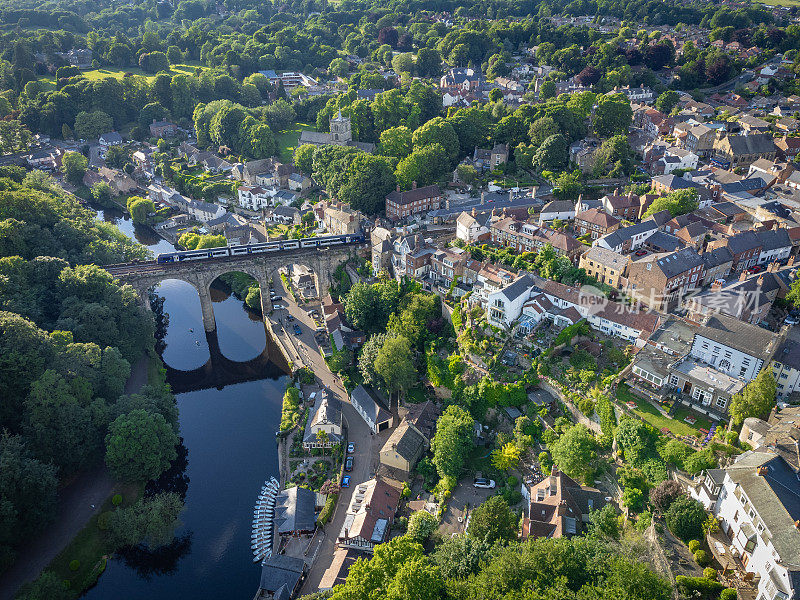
[143, 160]
[370, 514]
[161, 129]
[281, 577]
[675, 159]
[400, 205]
[336, 573]
[660, 280]
[717, 264]
[758, 511]
[295, 512]
[699, 139]
[604, 265]
[324, 424]
[340, 219]
[558, 506]
[472, 229]
[582, 153]
[622, 207]
[628, 239]
[78, 57]
[527, 237]
[404, 448]
[595, 223]
[298, 182]
[786, 368]
[366, 403]
[731, 151]
[288, 215]
[779, 434]
[461, 80]
[253, 197]
[745, 247]
[106, 140]
[563, 210]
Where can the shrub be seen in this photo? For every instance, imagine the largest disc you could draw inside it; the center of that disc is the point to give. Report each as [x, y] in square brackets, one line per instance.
[701, 557]
[694, 546]
[689, 585]
[685, 518]
[74, 565]
[116, 499]
[102, 520]
[728, 594]
[664, 494]
[327, 511]
[710, 573]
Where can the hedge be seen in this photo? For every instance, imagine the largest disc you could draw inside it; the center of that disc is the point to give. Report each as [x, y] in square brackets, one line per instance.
[327, 511]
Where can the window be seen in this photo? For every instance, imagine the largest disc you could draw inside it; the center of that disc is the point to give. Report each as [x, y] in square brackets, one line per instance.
[742, 371]
[721, 402]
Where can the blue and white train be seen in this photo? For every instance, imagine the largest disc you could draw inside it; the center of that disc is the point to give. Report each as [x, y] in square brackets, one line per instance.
[241, 250]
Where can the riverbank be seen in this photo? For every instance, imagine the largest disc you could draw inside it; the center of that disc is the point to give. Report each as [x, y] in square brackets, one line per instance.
[74, 535]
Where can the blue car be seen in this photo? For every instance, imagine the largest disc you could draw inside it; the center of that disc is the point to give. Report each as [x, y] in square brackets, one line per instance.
[346, 481]
[297, 330]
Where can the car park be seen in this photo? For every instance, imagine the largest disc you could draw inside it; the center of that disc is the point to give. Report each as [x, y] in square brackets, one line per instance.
[484, 484]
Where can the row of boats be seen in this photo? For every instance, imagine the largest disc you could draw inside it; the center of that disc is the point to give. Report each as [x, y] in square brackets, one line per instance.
[263, 515]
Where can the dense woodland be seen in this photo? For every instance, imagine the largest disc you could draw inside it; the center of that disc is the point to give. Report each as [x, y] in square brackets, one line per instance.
[68, 337]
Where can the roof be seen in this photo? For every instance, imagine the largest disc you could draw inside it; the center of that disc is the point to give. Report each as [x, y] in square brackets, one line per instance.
[559, 206]
[327, 409]
[363, 398]
[676, 263]
[598, 217]
[281, 571]
[428, 191]
[773, 492]
[759, 143]
[406, 442]
[665, 242]
[295, 511]
[606, 257]
[520, 286]
[742, 336]
[112, 137]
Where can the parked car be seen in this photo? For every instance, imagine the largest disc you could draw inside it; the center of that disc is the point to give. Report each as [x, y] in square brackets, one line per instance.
[346, 481]
[297, 330]
[640, 252]
[351, 447]
[276, 298]
[289, 318]
[791, 320]
[485, 484]
[348, 464]
[754, 269]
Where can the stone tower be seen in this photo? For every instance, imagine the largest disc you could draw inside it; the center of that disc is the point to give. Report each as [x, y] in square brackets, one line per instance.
[341, 133]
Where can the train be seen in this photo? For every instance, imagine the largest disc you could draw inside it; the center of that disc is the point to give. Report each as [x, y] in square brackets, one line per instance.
[245, 249]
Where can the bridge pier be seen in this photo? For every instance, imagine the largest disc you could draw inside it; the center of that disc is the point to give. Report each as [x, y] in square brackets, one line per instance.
[209, 323]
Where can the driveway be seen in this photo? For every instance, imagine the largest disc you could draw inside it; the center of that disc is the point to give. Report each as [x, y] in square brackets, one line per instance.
[465, 498]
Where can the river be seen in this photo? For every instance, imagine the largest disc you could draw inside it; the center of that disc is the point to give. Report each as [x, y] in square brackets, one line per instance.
[229, 438]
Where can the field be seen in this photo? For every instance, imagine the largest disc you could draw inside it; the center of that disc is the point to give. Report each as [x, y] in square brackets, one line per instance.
[649, 413]
[286, 141]
[116, 73]
[786, 3]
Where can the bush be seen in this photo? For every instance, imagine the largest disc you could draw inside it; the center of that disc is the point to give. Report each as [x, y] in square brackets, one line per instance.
[685, 518]
[689, 585]
[694, 546]
[327, 511]
[74, 565]
[102, 520]
[728, 594]
[701, 557]
[116, 499]
[710, 573]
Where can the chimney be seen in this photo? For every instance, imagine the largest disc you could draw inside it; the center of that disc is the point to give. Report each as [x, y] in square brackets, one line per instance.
[474, 211]
[743, 275]
[483, 197]
[760, 281]
[413, 185]
[790, 262]
[510, 195]
[717, 285]
[398, 187]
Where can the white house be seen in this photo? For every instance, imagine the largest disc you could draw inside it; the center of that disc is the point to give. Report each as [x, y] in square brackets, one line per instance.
[786, 368]
[254, 197]
[326, 416]
[564, 210]
[756, 503]
[112, 138]
[775, 245]
[469, 229]
[678, 159]
[374, 414]
[505, 305]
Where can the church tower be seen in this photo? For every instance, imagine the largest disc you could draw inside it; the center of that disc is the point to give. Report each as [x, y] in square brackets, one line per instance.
[341, 133]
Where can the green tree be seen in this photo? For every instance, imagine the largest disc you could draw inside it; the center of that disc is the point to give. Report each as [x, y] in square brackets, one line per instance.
[151, 521]
[101, 193]
[303, 158]
[575, 451]
[140, 209]
[47, 585]
[368, 306]
[461, 556]
[14, 136]
[73, 165]
[437, 131]
[369, 179]
[685, 518]
[542, 128]
[604, 522]
[91, 125]
[424, 166]
[552, 155]
[395, 365]
[140, 446]
[452, 442]
[755, 400]
[667, 100]
[506, 457]
[403, 63]
[612, 116]
[547, 90]
[396, 142]
[493, 521]
[677, 203]
[429, 62]
[338, 67]
[421, 526]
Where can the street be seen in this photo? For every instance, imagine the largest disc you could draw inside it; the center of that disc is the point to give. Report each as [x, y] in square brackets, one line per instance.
[365, 461]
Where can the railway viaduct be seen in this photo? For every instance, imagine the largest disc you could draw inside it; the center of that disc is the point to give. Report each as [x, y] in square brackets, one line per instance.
[143, 276]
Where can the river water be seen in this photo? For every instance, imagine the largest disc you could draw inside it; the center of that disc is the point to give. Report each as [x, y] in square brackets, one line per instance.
[229, 439]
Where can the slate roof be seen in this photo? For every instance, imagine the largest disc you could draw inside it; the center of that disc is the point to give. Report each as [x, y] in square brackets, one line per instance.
[295, 511]
[742, 336]
[409, 196]
[759, 143]
[281, 574]
[717, 257]
[407, 442]
[520, 286]
[665, 242]
[361, 397]
[679, 262]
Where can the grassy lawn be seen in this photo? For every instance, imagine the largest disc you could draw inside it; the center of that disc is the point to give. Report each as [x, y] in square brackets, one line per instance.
[117, 73]
[89, 547]
[788, 3]
[416, 395]
[649, 413]
[287, 140]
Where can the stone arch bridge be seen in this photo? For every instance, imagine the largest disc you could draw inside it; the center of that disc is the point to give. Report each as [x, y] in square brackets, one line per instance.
[143, 276]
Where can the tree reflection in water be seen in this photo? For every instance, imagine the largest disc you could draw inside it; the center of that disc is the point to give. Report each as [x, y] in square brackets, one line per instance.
[149, 562]
[173, 479]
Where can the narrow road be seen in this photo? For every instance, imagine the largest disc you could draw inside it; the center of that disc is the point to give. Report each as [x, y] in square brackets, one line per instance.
[365, 462]
[77, 503]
